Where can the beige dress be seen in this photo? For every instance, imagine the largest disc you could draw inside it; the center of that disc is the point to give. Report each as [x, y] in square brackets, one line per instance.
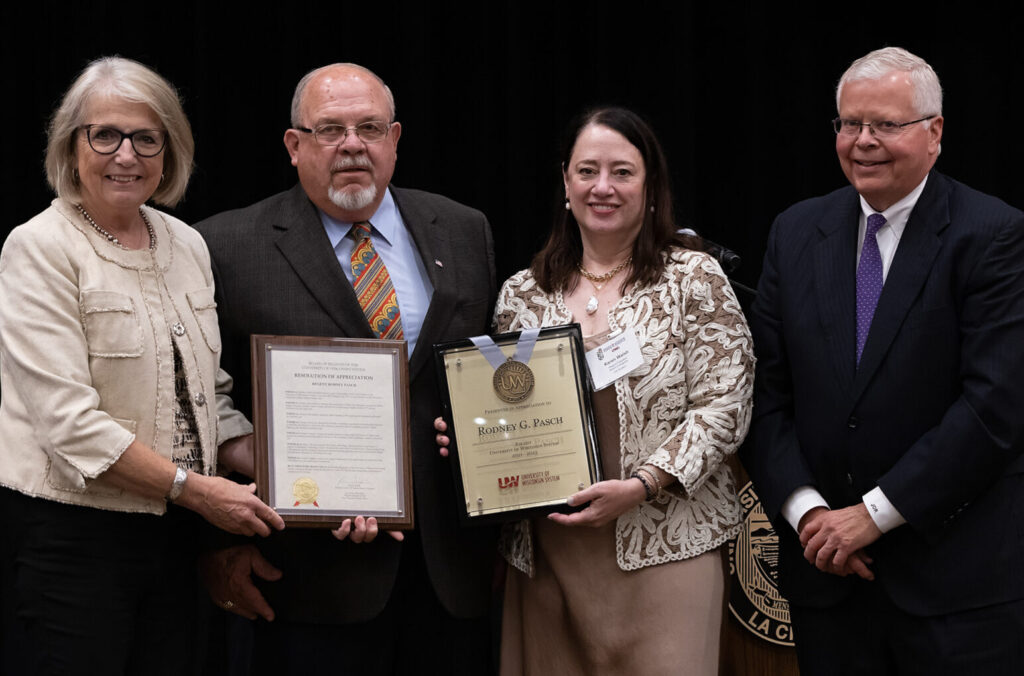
[582, 614]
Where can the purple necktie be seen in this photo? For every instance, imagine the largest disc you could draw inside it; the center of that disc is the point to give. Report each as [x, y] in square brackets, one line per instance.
[869, 280]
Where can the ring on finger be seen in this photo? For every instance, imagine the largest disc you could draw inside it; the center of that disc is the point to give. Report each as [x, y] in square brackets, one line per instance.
[228, 605]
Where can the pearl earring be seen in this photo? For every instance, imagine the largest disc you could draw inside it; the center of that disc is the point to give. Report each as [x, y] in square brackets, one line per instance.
[567, 207]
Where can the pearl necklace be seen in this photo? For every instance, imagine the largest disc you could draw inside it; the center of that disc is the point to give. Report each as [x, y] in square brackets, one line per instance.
[598, 281]
[114, 240]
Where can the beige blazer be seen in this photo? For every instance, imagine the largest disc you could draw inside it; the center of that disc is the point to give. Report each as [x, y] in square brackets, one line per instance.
[86, 359]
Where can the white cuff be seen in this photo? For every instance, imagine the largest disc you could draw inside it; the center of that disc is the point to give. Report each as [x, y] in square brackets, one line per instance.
[799, 502]
[882, 512]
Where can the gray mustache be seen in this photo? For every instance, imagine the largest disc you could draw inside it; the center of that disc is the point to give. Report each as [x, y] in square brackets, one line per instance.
[360, 161]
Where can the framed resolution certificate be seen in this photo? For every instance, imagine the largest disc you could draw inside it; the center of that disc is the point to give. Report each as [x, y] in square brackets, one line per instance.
[520, 422]
[332, 429]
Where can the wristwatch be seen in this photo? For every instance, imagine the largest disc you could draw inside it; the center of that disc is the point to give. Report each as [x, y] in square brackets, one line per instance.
[180, 475]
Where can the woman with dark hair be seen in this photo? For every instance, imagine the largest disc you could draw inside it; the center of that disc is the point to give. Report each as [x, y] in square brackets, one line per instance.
[634, 582]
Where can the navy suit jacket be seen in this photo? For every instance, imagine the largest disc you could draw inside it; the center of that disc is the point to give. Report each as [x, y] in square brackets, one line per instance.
[276, 273]
[934, 413]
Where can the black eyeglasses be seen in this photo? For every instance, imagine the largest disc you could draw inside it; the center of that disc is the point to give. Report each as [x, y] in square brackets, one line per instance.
[883, 128]
[106, 140]
[333, 134]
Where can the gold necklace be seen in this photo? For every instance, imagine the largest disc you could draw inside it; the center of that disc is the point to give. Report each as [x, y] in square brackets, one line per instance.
[598, 282]
[606, 276]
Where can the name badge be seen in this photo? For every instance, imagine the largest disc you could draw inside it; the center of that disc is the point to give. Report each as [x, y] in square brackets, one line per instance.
[613, 359]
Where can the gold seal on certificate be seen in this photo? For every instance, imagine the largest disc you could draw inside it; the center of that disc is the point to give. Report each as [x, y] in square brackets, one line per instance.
[520, 422]
[513, 381]
[305, 491]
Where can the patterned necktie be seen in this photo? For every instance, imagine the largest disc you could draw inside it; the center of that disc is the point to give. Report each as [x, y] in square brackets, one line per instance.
[869, 280]
[373, 286]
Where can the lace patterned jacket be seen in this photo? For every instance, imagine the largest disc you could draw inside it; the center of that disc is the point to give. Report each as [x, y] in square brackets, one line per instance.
[684, 410]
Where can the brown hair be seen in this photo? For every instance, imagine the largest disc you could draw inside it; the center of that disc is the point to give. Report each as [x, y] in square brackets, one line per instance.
[555, 265]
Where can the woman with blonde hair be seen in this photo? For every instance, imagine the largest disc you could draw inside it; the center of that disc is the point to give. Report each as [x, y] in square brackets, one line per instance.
[113, 404]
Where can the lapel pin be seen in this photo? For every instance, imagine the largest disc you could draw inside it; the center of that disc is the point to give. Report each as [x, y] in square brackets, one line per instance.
[438, 263]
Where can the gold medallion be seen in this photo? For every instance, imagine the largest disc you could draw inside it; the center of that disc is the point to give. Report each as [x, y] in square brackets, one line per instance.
[513, 381]
[305, 491]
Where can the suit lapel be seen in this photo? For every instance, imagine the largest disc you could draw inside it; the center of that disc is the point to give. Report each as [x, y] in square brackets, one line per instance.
[434, 246]
[910, 267]
[835, 272]
[304, 244]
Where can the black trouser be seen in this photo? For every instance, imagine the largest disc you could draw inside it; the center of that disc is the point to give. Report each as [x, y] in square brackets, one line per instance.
[414, 634]
[91, 591]
[867, 635]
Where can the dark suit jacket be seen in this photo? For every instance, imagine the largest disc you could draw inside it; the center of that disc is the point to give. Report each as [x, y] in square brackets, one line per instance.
[276, 273]
[934, 413]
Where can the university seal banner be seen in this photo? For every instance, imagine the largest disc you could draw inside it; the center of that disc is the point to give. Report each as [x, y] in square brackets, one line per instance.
[754, 599]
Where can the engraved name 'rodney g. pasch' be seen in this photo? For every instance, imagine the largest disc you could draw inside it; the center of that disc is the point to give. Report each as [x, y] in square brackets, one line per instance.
[527, 424]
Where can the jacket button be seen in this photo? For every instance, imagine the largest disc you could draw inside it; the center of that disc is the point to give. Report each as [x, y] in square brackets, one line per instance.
[852, 422]
[178, 329]
[200, 399]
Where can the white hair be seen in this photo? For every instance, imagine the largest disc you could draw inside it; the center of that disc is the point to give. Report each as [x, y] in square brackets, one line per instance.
[879, 63]
[300, 90]
[352, 201]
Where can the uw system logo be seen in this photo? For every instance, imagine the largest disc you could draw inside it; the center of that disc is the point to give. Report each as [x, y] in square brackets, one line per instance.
[506, 482]
[754, 568]
[513, 381]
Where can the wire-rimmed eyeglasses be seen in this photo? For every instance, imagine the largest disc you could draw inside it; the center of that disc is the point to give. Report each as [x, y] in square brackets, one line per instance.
[373, 131]
[883, 128]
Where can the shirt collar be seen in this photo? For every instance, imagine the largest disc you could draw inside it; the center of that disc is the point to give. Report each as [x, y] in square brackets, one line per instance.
[898, 214]
[385, 221]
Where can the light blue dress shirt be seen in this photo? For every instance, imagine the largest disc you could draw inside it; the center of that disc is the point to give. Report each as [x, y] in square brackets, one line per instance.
[394, 244]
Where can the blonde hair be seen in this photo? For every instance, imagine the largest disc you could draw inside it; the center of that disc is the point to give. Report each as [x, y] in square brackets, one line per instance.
[119, 78]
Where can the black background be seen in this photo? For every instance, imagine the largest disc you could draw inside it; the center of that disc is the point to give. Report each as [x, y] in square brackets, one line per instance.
[740, 95]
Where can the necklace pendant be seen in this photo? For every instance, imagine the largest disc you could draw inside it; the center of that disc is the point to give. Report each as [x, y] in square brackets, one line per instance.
[592, 305]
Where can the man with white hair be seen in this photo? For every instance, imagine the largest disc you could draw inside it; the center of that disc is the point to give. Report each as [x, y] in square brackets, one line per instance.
[888, 438]
[294, 264]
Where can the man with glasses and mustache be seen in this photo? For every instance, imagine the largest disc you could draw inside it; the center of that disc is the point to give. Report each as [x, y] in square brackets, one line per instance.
[292, 264]
[889, 329]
